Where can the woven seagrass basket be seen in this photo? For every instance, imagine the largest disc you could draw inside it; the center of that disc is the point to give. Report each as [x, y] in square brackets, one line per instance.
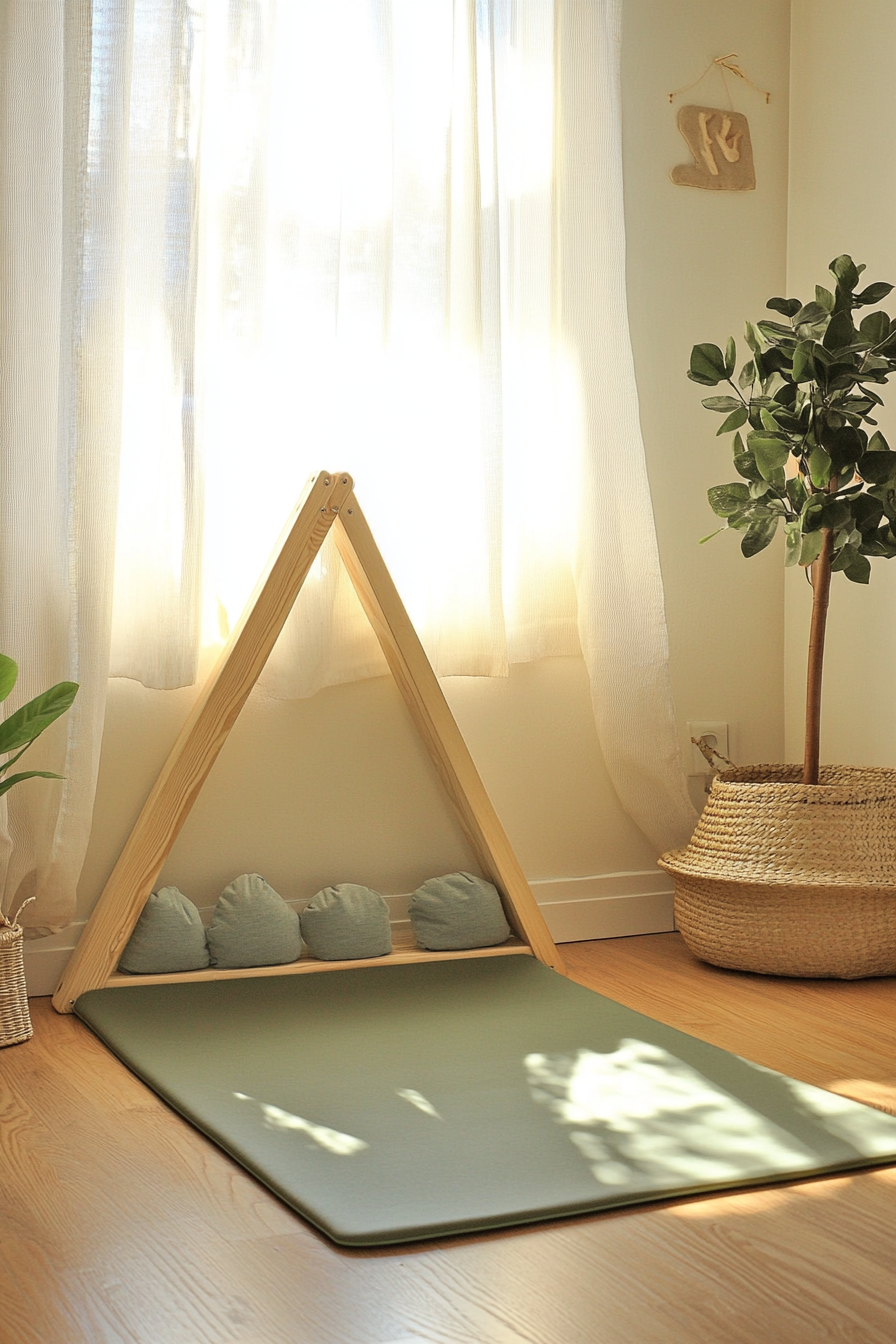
[15, 1020]
[787, 878]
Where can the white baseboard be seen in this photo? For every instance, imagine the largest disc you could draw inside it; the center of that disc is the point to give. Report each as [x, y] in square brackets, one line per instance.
[613, 905]
[576, 909]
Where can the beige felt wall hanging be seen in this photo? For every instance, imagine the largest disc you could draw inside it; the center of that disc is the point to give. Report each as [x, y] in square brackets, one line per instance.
[718, 138]
[720, 144]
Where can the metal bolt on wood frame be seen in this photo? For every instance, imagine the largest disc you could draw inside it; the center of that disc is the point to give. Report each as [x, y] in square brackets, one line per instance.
[328, 503]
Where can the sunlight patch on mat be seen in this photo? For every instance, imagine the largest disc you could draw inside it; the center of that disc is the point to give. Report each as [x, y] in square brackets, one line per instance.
[881, 1095]
[417, 1099]
[344, 1145]
[650, 1117]
[871, 1131]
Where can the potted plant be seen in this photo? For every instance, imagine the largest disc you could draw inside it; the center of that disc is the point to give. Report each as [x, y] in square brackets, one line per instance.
[16, 735]
[792, 869]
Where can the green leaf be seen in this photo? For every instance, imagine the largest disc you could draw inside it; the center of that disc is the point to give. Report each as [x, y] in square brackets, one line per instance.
[810, 547]
[786, 306]
[774, 331]
[878, 468]
[859, 571]
[754, 338]
[846, 445]
[835, 513]
[730, 356]
[867, 512]
[747, 375]
[796, 493]
[725, 404]
[840, 332]
[7, 784]
[734, 421]
[824, 298]
[811, 315]
[724, 500]
[819, 468]
[30, 721]
[846, 556]
[792, 537]
[710, 535]
[745, 465]
[873, 293]
[9, 671]
[843, 267]
[777, 360]
[875, 327]
[770, 453]
[707, 365]
[758, 489]
[804, 362]
[759, 535]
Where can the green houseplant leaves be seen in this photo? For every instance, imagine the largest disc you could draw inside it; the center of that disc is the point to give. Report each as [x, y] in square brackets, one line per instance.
[798, 411]
[22, 728]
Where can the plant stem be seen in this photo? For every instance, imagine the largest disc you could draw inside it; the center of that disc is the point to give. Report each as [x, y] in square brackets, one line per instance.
[821, 588]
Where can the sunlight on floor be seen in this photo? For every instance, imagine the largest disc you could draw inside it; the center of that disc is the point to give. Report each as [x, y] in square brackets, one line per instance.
[881, 1095]
[751, 1202]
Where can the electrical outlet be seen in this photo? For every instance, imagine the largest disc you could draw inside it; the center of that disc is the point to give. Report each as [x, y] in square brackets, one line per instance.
[716, 735]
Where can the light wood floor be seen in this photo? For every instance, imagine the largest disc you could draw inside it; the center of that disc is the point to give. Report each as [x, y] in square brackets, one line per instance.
[119, 1224]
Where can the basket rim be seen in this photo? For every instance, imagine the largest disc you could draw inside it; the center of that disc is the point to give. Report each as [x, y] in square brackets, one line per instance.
[856, 783]
[679, 862]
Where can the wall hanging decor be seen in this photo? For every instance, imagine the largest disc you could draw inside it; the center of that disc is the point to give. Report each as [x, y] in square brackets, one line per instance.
[718, 138]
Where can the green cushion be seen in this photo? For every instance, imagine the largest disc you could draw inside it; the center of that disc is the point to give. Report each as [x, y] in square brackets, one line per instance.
[252, 926]
[457, 911]
[168, 936]
[347, 922]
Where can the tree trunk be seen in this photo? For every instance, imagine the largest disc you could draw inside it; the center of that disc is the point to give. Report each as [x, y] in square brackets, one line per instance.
[821, 587]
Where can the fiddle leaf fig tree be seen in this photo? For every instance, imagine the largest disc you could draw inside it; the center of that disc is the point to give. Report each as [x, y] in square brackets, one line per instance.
[797, 410]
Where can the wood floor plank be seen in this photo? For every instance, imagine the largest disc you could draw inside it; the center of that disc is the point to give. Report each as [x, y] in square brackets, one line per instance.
[120, 1224]
[823, 1032]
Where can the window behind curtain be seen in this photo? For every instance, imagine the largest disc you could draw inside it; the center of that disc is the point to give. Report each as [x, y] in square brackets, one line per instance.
[338, 251]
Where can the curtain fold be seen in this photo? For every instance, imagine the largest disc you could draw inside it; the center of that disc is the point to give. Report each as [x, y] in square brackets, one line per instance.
[57, 481]
[621, 613]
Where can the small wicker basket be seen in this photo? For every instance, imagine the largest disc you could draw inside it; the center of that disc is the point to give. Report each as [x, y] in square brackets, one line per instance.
[15, 1020]
[787, 878]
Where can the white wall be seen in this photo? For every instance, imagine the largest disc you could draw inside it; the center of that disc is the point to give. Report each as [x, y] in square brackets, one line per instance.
[337, 788]
[699, 263]
[843, 199]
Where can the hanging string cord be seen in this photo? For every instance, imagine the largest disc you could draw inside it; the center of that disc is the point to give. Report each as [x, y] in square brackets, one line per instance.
[724, 63]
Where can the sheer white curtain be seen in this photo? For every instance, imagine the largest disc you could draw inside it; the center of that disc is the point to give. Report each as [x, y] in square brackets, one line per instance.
[339, 253]
[57, 472]
[622, 620]
[246, 241]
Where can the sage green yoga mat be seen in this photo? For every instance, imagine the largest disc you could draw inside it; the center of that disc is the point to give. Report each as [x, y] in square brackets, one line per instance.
[393, 1103]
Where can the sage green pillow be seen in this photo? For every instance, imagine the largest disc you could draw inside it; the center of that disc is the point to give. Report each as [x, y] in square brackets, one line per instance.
[168, 936]
[457, 911]
[252, 926]
[347, 922]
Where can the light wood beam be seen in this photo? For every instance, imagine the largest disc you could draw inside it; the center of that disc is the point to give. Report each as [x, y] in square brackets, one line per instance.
[200, 740]
[437, 727]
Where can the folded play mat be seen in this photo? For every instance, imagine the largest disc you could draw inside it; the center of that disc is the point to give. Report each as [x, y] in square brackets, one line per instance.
[394, 1103]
